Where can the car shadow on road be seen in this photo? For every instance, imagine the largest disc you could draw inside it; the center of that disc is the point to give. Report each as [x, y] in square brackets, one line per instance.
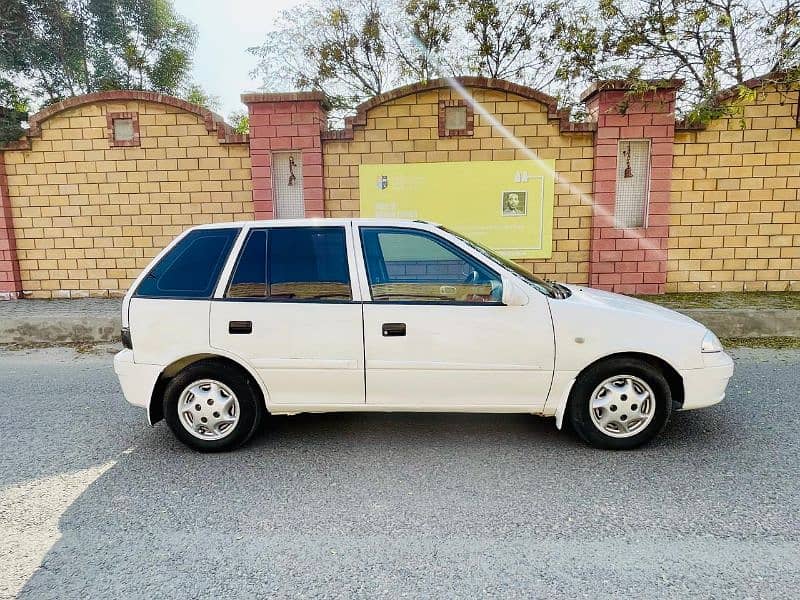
[313, 498]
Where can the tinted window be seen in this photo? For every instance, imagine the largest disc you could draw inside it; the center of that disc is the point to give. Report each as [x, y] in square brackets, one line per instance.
[250, 276]
[191, 268]
[308, 263]
[305, 263]
[408, 266]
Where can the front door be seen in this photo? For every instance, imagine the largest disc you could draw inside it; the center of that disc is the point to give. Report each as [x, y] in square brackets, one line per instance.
[437, 335]
[288, 310]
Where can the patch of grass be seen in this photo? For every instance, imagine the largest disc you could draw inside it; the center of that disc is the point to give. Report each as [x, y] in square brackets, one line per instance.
[784, 300]
[776, 343]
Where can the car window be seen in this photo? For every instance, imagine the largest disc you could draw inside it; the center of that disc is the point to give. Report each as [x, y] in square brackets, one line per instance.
[293, 263]
[417, 266]
[249, 278]
[191, 268]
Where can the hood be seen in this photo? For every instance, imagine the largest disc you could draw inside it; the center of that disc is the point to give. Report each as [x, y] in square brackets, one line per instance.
[591, 297]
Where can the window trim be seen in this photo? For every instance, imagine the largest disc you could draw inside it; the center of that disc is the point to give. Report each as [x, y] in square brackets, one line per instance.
[114, 142]
[222, 294]
[468, 257]
[468, 131]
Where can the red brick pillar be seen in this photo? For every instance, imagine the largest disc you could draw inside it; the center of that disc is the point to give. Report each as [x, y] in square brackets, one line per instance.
[10, 282]
[631, 261]
[281, 122]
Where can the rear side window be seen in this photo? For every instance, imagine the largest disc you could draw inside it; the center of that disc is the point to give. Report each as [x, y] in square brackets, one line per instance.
[293, 264]
[191, 268]
[250, 276]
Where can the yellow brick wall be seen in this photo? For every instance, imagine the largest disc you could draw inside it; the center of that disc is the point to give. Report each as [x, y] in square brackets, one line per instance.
[88, 217]
[405, 130]
[734, 222]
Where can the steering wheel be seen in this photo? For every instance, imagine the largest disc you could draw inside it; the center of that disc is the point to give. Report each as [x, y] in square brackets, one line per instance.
[472, 278]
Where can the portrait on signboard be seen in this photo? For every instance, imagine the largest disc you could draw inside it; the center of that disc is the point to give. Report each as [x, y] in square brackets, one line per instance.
[515, 204]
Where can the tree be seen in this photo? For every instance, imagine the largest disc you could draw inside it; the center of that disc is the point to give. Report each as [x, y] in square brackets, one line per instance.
[338, 46]
[712, 44]
[240, 121]
[420, 32]
[355, 49]
[513, 39]
[195, 94]
[52, 49]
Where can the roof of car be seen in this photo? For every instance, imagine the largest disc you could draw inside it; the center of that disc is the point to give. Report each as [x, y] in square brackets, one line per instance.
[316, 222]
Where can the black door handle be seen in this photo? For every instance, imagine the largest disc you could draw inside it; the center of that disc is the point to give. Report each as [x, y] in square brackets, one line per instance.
[394, 329]
[240, 327]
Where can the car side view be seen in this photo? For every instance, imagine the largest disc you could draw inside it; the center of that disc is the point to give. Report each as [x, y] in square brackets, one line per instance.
[233, 321]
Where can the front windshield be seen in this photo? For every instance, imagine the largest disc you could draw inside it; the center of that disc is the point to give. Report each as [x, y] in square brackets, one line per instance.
[543, 286]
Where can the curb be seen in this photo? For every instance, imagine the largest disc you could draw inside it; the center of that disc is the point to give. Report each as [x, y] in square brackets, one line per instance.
[748, 322]
[41, 329]
[58, 329]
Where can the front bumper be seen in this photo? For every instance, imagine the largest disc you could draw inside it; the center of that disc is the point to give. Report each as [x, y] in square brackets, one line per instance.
[137, 379]
[706, 386]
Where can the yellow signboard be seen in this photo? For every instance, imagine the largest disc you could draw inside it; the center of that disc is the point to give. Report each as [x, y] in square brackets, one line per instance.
[506, 205]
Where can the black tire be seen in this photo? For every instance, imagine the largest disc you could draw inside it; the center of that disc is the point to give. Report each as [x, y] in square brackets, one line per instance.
[579, 411]
[251, 406]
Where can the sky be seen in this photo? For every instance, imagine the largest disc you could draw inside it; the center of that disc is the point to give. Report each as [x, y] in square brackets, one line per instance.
[225, 29]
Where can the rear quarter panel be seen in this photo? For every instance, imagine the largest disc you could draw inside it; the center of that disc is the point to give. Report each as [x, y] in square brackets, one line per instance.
[163, 330]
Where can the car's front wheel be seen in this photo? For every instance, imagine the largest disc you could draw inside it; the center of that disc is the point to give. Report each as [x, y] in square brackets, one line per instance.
[212, 406]
[620, 403]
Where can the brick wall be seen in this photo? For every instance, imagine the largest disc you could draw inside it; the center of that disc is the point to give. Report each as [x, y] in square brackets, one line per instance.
[280, 122]
[402, 127]
[631, 260]
[734, 216]
[88, 216]
[82, 216]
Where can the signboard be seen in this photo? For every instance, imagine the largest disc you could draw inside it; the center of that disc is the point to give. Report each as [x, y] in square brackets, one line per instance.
[506, 205]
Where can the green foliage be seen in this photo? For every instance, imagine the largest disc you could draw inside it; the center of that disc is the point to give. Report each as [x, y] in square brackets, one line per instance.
[511, 38]
[195, 94]
[711, 44]
[355, 49]
[240, 121]
[13, 111]
[52, 49]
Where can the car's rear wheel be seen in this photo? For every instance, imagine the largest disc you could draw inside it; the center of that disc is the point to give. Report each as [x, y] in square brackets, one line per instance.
[212, 406]
[620, 403]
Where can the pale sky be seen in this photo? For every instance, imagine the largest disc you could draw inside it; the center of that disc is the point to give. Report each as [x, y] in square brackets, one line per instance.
[225, 29]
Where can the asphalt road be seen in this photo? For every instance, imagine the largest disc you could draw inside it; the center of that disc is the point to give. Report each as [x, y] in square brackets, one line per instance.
[95, 504]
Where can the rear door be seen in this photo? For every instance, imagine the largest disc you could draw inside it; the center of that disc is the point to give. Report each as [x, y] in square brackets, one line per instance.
[437, 334]
[289, 311]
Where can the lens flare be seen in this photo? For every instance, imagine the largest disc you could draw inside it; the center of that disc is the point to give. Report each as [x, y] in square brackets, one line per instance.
[531, 154]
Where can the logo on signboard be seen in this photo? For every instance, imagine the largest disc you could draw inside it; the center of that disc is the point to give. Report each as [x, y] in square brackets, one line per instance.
[383, 182]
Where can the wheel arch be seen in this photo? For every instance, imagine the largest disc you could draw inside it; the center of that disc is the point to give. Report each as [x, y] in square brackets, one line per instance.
[671, 374]
[155, 410]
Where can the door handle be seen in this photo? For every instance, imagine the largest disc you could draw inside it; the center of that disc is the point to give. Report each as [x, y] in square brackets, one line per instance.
[241, 327]
[394, 329]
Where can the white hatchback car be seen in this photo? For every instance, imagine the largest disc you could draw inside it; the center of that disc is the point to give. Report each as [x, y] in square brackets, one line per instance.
[235, 320]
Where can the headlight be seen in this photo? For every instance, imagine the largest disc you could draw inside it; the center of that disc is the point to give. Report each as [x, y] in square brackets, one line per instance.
[710, 343]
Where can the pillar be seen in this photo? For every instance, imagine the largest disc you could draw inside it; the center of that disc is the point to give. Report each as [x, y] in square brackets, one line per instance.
[10, 282]
[631, 260]
[281, 122]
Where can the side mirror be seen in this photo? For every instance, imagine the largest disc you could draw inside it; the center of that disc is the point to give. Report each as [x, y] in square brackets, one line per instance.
[513, 294]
